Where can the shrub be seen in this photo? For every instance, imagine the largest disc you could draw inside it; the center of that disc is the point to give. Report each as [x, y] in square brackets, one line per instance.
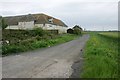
[39, 44]
[36, 42]
[39, 31]
[4, 25]
[11, 49]
[76, 31]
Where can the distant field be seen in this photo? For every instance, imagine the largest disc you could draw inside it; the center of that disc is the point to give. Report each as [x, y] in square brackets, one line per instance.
[101, 55]
[111, 34]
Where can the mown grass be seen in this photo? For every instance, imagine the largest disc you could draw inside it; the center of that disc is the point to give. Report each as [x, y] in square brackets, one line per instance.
[34, 44]
[101, 57]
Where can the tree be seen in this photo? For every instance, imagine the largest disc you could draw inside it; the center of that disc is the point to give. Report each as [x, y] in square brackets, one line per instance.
[77, 29]
[4, 25]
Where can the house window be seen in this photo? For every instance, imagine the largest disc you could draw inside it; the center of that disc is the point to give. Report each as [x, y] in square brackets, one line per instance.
[50, 25]
[50, 20]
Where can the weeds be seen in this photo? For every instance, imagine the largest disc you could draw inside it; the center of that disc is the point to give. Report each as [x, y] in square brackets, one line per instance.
[101, 56]
[35, 43]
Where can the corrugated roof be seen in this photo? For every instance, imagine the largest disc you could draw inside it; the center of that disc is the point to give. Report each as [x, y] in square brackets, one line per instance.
[38, 18]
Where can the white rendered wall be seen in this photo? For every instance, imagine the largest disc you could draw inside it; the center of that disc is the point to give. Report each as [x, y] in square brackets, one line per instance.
[26, 25]
[12, 27]
[22, 25]
[38, 25]
[61, 29]
[30, 25]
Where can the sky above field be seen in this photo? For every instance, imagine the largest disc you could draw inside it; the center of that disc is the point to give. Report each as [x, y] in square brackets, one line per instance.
[89, 14]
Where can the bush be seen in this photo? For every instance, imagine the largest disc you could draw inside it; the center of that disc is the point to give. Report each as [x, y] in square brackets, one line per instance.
[32, 44]
[11, 49]
[39, 44]
[76, 31]
[4, 25]
[39, 31]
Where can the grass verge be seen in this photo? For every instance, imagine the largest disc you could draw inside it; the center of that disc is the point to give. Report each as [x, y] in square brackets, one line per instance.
[101, 57]
[34, 44]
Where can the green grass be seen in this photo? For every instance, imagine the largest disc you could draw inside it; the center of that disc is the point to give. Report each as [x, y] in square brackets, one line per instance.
[111, 34]
[101, 56]
[34, 44]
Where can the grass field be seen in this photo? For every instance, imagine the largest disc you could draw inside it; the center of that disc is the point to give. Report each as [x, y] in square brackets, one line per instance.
[101, 55]
[111, 34]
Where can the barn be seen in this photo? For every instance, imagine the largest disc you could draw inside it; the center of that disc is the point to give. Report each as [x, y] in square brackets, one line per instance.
[31, 21]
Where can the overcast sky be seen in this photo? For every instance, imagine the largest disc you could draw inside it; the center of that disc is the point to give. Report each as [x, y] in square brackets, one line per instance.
[89, 14]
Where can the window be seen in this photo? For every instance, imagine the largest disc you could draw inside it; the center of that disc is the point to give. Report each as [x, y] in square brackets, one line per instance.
[50, 25]
[50, 20]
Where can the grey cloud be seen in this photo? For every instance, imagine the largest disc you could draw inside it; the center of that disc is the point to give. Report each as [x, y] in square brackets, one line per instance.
[87, 14]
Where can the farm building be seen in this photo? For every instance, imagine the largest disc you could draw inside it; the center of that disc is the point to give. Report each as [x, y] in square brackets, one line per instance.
[31, 21]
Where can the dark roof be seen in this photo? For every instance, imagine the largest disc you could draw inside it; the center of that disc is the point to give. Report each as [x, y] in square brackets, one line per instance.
[38, 18]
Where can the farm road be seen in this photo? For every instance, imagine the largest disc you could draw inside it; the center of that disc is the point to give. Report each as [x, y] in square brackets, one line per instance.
[51, 62]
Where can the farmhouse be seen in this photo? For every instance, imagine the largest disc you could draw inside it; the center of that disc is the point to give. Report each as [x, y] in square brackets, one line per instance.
[31, 21]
